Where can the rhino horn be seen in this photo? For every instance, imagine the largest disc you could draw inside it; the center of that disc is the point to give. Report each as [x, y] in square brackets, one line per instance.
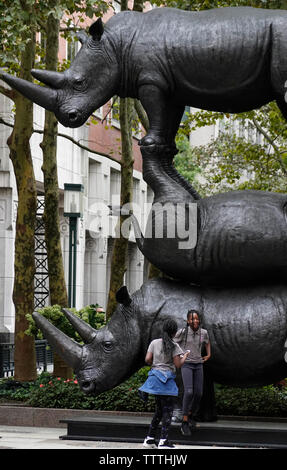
[86, 332]
[49, 77]
[68, 349]
[45, 97]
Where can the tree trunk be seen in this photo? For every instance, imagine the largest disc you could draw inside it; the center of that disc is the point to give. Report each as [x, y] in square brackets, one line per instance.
[57, 284]
[119, 257]
[23, 292]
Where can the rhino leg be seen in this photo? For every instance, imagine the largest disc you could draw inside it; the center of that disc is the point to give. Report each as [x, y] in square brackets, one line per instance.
[163, 118]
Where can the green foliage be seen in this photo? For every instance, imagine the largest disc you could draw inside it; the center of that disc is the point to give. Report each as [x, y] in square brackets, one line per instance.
[207, 4]
[89, 314]
[250, 151]
[52, 392]
[184, 160]
[268, 401]
[18, 19]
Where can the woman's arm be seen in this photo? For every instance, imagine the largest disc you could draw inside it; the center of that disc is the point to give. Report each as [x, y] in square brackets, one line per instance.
[208, 352]
[149, 358]
[179, 360]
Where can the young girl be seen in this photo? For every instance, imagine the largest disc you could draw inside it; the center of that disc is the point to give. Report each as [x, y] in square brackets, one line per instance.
[164, 356]
[192, 337]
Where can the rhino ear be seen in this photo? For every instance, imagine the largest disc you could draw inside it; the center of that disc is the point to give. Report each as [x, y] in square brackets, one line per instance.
[82, 36]
[96, 29]
[123, 296]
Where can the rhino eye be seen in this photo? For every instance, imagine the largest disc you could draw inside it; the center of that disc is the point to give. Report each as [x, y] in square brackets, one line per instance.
[79, 83]
[108, 346]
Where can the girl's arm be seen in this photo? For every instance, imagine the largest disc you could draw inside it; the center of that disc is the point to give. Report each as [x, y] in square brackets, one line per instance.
[208, 352]
[149, 358]
[179, 360]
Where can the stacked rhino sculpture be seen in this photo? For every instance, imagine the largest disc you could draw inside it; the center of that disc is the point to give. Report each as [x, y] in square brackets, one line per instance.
[230, 60]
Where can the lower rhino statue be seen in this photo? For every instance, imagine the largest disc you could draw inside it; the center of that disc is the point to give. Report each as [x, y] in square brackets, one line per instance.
[247, 329]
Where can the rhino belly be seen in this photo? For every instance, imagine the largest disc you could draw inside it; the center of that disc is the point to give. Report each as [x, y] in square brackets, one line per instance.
[242, 238]
[248, 330]
[238, 237]
[247, 327]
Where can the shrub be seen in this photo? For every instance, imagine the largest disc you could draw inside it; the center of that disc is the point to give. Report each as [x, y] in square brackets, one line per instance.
[50, 392]
[54, 314]
[268, 401]
[54, 392]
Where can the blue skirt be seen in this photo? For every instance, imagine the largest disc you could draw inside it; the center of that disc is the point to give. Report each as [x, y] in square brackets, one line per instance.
[160, 382]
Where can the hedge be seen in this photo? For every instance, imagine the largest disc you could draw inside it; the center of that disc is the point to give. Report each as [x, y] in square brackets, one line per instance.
[52, 392]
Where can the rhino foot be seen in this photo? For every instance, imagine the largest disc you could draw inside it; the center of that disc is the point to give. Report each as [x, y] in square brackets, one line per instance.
[164, 151]
[152, 139]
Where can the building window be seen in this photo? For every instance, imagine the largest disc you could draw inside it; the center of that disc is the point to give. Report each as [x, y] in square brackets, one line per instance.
[72, 47]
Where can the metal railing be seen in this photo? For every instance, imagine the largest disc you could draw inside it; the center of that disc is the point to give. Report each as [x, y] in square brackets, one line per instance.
[44, 357]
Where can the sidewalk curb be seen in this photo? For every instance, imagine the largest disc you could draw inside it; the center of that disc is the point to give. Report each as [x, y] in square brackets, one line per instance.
[50, 417]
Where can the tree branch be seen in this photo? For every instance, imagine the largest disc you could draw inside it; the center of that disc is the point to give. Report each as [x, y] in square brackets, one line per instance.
[8, 93]
[71, 139]
[141, 114]
[272, 143]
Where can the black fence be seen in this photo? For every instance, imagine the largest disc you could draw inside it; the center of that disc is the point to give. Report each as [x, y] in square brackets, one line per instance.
[44, 357]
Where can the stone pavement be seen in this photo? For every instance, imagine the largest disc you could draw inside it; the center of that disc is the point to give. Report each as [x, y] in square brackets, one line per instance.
[30, 437]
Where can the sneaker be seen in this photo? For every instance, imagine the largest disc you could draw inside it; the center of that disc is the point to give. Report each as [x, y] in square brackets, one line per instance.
[149, 442]
[165, 444]
[185, 430]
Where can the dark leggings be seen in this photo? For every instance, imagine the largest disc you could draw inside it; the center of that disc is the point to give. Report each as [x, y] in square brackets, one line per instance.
[192, 377]
[163, 414]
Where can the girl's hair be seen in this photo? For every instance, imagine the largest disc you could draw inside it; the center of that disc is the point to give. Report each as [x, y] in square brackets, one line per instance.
[185, 331]
[168, 331]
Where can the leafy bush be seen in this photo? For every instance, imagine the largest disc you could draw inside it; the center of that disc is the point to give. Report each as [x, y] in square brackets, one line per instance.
[60, 393]
[268, 401]
[54, 392]
[50, 392]
[90, 314]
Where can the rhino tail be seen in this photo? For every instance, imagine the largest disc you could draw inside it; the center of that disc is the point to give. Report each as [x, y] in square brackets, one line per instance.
[120, 210]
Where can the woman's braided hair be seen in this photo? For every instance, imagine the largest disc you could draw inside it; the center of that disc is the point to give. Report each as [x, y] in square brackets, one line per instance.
[168, 331]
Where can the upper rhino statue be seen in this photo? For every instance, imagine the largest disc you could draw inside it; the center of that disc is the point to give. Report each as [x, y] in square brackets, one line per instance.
[227, 59]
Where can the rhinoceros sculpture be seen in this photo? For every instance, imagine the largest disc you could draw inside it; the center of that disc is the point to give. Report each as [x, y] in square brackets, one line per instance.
[226, 59]
[247, 328]
[237, 237]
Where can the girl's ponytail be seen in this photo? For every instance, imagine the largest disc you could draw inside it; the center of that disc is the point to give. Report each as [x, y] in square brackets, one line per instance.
[168, 332]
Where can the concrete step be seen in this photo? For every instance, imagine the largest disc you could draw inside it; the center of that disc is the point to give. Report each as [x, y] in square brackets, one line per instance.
[225, 433]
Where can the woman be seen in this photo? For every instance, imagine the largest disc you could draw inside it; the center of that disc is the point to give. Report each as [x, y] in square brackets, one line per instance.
[192, 338]
[164, 356]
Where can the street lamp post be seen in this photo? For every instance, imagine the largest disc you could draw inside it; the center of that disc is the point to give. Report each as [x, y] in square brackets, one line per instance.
[73, 208]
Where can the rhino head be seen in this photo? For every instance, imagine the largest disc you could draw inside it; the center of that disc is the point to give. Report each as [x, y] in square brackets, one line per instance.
[75, 94]
[109, 355]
